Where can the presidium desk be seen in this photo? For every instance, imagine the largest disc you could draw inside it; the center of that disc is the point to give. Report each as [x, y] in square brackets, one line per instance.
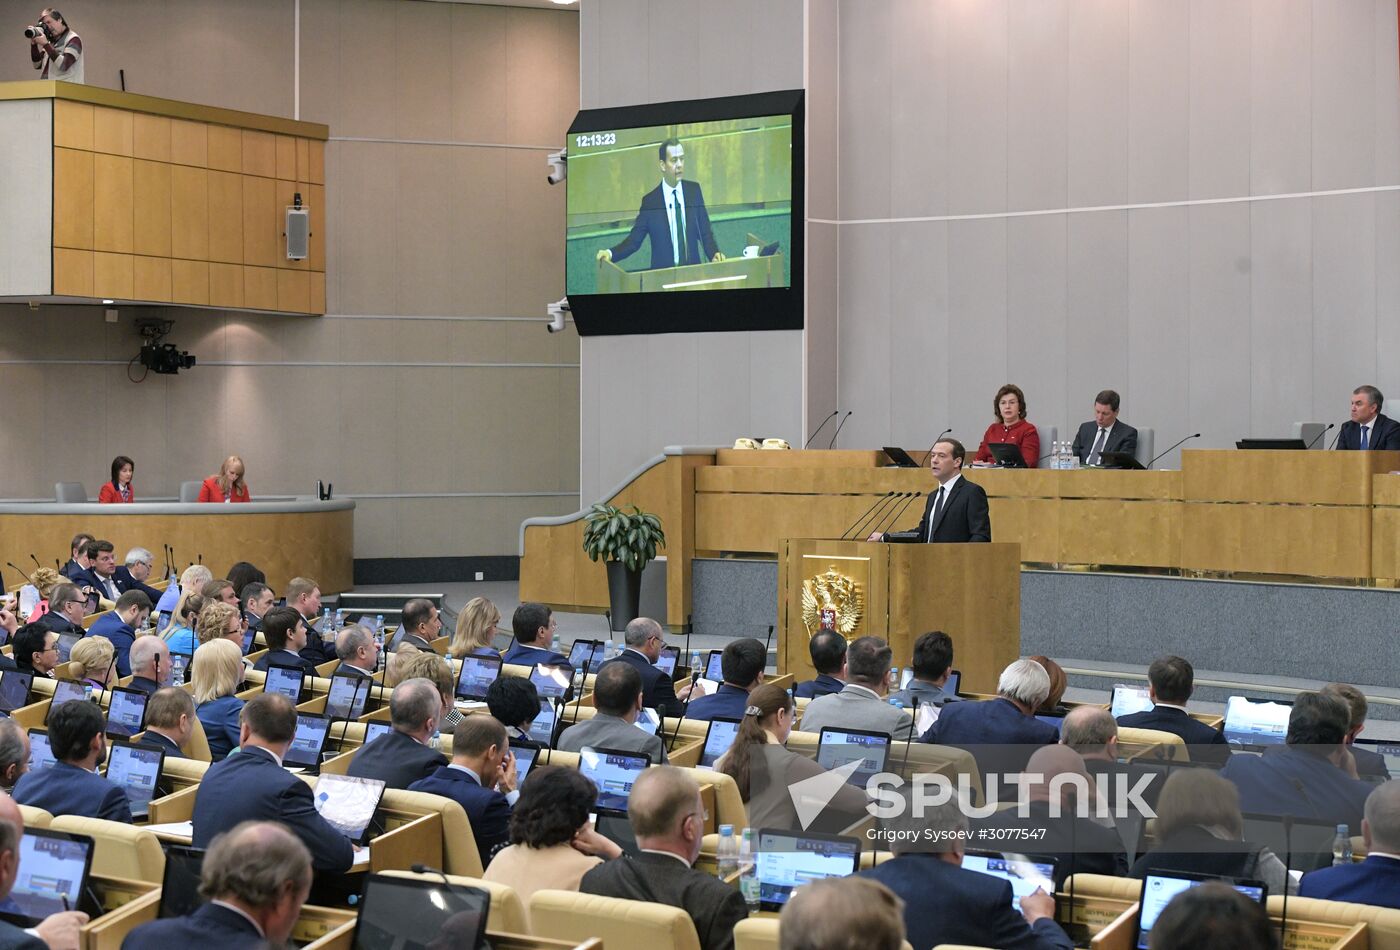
[1311, 516]
[284, 539]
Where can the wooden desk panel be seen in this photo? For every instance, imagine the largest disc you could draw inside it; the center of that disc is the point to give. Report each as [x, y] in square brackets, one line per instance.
[1282, 477]
[1306, 540]
[1033, 522]
[1119, 532]
[1385, 526]
[799, 458]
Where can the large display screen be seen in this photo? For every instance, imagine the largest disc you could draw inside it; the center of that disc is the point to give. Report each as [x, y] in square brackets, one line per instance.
[699, 201]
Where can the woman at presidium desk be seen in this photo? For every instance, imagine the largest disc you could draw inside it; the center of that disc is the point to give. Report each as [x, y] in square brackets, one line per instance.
[1010, 428]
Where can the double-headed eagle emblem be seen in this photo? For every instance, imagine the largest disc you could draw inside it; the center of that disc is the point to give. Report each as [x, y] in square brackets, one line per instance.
[831, 601]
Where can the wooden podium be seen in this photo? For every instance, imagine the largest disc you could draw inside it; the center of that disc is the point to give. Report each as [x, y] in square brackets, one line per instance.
[972, 592]
[733, 273]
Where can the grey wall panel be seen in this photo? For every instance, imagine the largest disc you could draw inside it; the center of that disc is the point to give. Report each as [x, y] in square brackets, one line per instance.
[1219, 332]
[1037, 171]
[1344, 300]
[1281, 113]
[977, 66]
[1098, 102]
[1387, 217]
[1386, 105]
[1343, 67]
[919, 352]
[1097, 335]
[1158, 65]
[977, 335]
[821, 344]
[1219, 98]
[918, 108]
[1037, 317]
[1281, 315]
[1158, 325]
[867, 333]
[865, 160]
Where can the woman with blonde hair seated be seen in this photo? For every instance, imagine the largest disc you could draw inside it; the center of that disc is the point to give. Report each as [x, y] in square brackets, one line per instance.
[91, 662]
[218, 673]
[476, 629]
[435, 669]
[220, 621]
[227, 485]
[179, 633]
[44, 579]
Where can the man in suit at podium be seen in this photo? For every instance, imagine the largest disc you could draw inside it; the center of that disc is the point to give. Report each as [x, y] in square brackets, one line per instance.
[957, 511]
[673, 216]
[1105, 433]
[1367, 428]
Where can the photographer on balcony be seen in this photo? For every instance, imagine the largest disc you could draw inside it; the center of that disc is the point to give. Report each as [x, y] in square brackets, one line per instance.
[55, 50]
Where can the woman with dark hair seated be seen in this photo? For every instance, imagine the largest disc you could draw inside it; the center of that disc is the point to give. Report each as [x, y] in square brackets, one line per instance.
[119, 490]
[552, 844]
[1200, 830]
[242, 574]
[513, 700]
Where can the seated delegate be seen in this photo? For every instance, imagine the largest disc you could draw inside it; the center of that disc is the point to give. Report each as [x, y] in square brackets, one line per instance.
[1010, 428]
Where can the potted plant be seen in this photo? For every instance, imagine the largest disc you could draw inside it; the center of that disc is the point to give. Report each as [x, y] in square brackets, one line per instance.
[626, 541]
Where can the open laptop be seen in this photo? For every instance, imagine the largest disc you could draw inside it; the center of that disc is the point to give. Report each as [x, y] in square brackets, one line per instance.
[348, 803]
[284, 680]
[65, 691]
[179, 888]
[136, 768]
[66, 642]
[667, 661]
[552, 682]
[787, 859]
[249, 636]
[40, 754]
[402, 913]
[373, 730]
[53, 876]
[1306, 843]
[613, 772]
[1390, 749]
[1255, 723]
[899, 457]
[308, 743]
[14, 690]
[524, 761]
[1159, 887]
[1023, 872]
[1006, 454]
[348, 696]
[838, 747]
[1120, 460]
[126, 711]
[1128, 700]
[542, 726]
[718, 739]
[583, 652]
[614, 826]
[476, 676]
[714, 669]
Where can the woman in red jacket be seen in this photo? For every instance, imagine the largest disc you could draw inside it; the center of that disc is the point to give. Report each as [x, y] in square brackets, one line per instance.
[228, 485]
[119, 490]
[1011, 427]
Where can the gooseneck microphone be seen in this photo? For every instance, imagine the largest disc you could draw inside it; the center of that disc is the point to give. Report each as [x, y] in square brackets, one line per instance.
[832, 443]
[1335, 439]
[34, 559]
[1315, 440]
[913, 734]
[820, 427]
[676, 733]
[1196, 435]
[879, 517]
[891, 522]
[866, 514]
[935, 442]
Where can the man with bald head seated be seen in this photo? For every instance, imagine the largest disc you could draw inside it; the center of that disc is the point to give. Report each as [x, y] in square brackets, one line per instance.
[842, 913]
[150, 664]
[14, 753]
[617, 696]
[645, 640]
[255, 878]
[1375, 880]
[1091, 731]
[358, 652]
[419, 625]
[668, 819]
[403, 755]
[67, 605]
[58, 930]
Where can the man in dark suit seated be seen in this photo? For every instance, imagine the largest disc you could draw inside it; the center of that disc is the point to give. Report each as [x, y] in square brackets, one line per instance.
[57, 930]
[828, 652]
[150, 664]
[1105, 433]
[67, 606]
[1368, 428]
[1375, 880]
[534, 627]
[839, 912]
[419, 625]
[285, 633]
[617, 695]
[169, 720]
[1312, 775]
[132, 575]
[257, 877]
[862, 704]
[14, 754]
[102, 568]
[741, 663]
[1370, 766]
[932, 663]
[71, 786]
[251, 785]
[1091, 732]
[358, 652]
[120, 624]
[304, 596]
[644, 640]
[35, 650]
[956, 512]
[944, 903]
[672, 216]
[1000, 733]
[402, 756]
[78, 562]
[1170, 681]
[481, 778]
[668, 819]
[256, 599]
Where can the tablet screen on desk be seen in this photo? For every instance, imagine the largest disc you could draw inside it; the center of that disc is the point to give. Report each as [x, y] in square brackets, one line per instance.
[348, 695]
[285, 681]
[126, 711]
[136, 768]
[348, 803]
[310, 739]
[613, 772]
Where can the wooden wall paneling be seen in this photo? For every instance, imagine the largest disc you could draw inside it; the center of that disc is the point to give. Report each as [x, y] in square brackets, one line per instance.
[72, 272]
[189, 143]
[72, 198]
[259, 221]
[286, 158]
[225, 216]
[113, 203]
[316, 247]
[189, 213]
[294, 291]
[189, 282]
[151, 137]
[113, 275]
[225, 148]
[72, 125]
[151, 200]
[260, 288]
[259, 153]
[226, 285]
[153, 279]
[112, 131]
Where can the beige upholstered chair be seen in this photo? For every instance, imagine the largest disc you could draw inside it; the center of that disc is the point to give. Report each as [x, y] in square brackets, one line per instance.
[35, 817]
[1383, 923]
[459, 851]
[761, 933]
[121, 850]
[566, 915]
[1151, 744]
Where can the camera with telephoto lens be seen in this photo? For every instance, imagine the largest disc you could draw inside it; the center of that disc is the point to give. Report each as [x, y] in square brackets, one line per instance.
[165, 359]
[38, 29]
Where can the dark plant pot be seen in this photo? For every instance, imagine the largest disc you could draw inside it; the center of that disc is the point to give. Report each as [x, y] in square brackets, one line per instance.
[624, 594]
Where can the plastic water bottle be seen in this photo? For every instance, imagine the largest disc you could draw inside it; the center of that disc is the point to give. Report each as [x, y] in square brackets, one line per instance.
[325, 621]
[554, 644]
[695, 662]
[1341, 846]
[748, 870]
[378, 624]
[728, 852]
[896, 703]
[87, 691]
[609, 650]
[177, 668]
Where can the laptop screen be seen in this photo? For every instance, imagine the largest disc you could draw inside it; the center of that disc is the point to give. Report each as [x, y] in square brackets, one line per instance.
[551, 681]
[1129, 699]
[668, 659]
[613, 772]
[40, 755]
[788, 859]
[348, 695]
[581, 651]
[1388, 748]
[1024, 873]
[648, 721]
[285, 680]
[136, 768]
[714, 669]
[65, 691]
[179, 890]
[718, 740]
[305, 750]
[1159, 889]
[954, 682]
[402, 913]
[838, 747]
[348, 803]
[14, 689]
[542, 727]
[614, 826]
[248, 636]
[1250, 722]
[373, 730]
[53, 866]
[126, 712]
[524, 760]
[66, 642]
[477, 675]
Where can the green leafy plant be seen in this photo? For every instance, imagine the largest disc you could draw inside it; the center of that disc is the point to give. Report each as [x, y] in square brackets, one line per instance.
[612, 534]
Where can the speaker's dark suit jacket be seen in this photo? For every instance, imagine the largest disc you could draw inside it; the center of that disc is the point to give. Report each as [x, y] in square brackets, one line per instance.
[1207, 744]
[487, 809]
[944, 903]
[210, 926]
[714, 906]
[1121, 438]
[125, 582]
[64, 789]
[652, 222]
[964, 517]
[824, 685]
[396, 759]
[1385, 435]
[1374, 881]
[250, 786]
[658, 692]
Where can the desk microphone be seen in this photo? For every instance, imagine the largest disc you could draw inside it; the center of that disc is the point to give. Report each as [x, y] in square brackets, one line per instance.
[879, 517]
[1287, 864]
[832, 443]
[935, 442]
[1330, 425]
[1335, 439]
[913, 731]
[17, 571]
[694, 678]
[35, 560]
[820, 427]
[865, 514]
[1159, 455]
[900, 513]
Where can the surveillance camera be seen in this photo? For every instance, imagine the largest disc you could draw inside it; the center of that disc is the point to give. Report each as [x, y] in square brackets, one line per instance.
[556, 313]
[558, 166]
